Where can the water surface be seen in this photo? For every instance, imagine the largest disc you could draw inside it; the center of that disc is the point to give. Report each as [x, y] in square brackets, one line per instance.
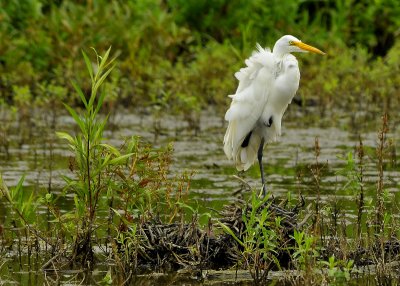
[35, 152]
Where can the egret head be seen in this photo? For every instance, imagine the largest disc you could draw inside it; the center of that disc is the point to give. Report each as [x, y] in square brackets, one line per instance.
[289, 44]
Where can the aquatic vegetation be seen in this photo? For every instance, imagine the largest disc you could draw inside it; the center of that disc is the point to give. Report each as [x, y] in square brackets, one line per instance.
[135, 231]
[94, 160]
[126, 181]
[192, 62]
[128, 207]
[258, 240]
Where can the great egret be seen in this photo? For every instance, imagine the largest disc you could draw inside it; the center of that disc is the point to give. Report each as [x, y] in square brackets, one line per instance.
[266, 87]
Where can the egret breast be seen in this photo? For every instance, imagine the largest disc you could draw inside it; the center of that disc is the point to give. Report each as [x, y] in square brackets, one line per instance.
[284, 89]
[287, 82]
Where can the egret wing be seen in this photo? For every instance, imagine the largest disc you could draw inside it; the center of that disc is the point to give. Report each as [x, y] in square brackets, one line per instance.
[261, 57]
[255, 86]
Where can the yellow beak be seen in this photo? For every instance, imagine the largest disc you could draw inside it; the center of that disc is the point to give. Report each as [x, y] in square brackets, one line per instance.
[308, 48]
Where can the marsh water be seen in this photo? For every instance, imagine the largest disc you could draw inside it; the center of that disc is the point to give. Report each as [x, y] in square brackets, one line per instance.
[34, 151]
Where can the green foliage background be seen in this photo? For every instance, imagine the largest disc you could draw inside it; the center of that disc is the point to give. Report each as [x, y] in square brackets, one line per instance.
[183, 53]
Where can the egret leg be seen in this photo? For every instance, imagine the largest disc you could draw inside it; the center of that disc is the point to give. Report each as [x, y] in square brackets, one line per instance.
[259, 156]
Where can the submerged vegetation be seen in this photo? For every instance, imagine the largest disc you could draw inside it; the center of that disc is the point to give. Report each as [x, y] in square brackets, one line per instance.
[129, 209]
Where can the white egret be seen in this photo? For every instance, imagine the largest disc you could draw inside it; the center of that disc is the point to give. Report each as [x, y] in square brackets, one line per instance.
[267, 86]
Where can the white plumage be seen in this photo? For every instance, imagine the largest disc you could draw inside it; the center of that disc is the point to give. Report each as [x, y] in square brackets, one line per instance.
[266, 86]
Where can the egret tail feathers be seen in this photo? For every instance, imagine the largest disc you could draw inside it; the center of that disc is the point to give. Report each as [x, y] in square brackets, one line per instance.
[243, 157]
[246, 156]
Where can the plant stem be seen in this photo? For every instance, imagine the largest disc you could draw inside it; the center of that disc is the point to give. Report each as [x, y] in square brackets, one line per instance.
[380, 208]
[360, 153]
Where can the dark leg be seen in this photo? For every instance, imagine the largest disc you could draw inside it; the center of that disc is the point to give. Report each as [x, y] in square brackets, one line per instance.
[259, 156]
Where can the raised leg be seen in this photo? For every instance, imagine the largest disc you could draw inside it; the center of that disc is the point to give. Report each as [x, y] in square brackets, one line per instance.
[259, 156]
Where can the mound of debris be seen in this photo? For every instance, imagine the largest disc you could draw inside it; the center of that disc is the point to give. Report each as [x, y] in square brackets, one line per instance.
[186, 245]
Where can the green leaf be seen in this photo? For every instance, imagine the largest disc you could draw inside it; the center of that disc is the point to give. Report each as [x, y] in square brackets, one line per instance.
[76, 118]
[79, 205]
[107, 279]
[80, 93]
[97, 136]
[101, 80]
[120, 159]
[27, 208]
[207, 215]
[104, 60]
[97, 56]
[123, 218]
[64, 135]
[111, 149]
[49, 197]
[116, 212]
[104, 163]
[88, 65]
[16, 192]
[4, 190]
[183, 205]
[66, 216]
[231, 233]
[100, 102]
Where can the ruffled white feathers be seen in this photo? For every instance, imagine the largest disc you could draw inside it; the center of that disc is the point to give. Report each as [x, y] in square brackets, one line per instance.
[247, 107]
[257, 106]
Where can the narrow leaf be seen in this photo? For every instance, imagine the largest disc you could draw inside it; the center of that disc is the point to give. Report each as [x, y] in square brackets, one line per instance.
[88, 64]
[16, 193]
[100, 102]
[80, 93]
[231, 233]
[64, 135]
[183, 205]
[111, 149]
[110, 62]
[120, 159]
[105, 161]
[101, 79]
[5, 191]
[76, 117]
[104, 59]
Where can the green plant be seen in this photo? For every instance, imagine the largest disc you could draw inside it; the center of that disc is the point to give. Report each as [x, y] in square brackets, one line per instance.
[259, 240]
[94, 158]
[23, 102]
[353, 171]
[338, 271]
[305, 251]
[23, 205]
[8, 114]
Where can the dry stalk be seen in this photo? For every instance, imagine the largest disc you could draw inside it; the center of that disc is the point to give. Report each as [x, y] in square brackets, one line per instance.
[380, 152]
[360, 201]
